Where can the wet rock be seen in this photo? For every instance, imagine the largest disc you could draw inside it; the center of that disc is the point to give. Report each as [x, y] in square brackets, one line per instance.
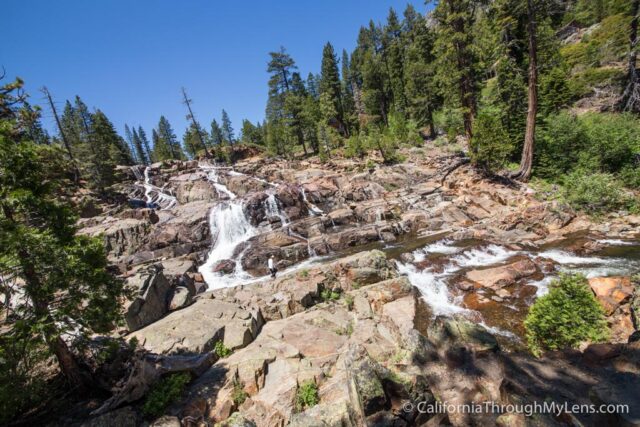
[407, 257]
[150, 303]
[225, 266]
[611, 291]
[148, 215]
[502, 276]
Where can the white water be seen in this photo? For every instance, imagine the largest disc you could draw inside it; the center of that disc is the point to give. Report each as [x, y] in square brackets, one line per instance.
[439, 247]
[153, 194]
[312, 208]
[272, 208]
[617, 242]
[434, 289]
[229, 227]
[591, 266]
[479, 257]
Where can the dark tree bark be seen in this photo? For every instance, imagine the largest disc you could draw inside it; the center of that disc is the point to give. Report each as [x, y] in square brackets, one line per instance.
[195, 124]
[526, 162]
[630, 99]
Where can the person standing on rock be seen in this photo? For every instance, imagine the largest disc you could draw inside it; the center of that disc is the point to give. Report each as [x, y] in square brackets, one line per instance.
[272, 267]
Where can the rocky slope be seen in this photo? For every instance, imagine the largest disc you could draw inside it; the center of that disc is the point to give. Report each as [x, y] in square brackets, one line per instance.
[399, 285]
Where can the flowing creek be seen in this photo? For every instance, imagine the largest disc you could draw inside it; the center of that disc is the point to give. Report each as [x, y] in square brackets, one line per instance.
[436, 266]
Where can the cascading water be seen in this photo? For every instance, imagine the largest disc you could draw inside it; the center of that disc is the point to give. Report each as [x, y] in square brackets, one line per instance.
[154, 196]
[273, 209]
[315, 211]
[229, 228]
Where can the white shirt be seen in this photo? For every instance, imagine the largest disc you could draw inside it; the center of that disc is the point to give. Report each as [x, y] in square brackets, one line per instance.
[270, 263]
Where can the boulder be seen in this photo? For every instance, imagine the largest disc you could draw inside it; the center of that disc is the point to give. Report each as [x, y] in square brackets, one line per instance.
[121, 236]
[197, 328]
[611, 291]
[150, 303]
[180, 298]
[225, 266]
[498, 277]
[620, 389]
[123, 417]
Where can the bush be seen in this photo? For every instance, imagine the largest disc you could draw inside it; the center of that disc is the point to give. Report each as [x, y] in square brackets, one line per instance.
[239, 395]
[597, 142]
[221, 350]
[613, 139]
[165, 392]
[594, 193]
[568, 315]
[558, 145]
[450, 121]
[490, 146]
[307, 395]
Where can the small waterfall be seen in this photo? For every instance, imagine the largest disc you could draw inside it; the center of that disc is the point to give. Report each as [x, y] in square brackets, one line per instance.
[154, 196]
[379, 214]
[221, 189]
[229, 228]
[272, 208]
[315, 211]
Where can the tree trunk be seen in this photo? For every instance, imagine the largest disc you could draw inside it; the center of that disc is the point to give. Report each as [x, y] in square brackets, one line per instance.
[526, 162]
[432, 126]
[68, 364]
[630, 99]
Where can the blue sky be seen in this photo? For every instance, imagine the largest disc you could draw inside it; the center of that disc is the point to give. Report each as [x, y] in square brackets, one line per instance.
[130, 58]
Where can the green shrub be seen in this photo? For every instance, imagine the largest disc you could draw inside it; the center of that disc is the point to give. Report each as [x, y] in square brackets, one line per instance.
[613, 139]
[329, 295]
[568, 315]
[355, 147]
[238, 395]
[490, 145]
[597, 142]
[165, 392]
[630, 175]
[20, 388]
[593, 193]
[348, 301]
[450, 121]
[307, 395]
[558, 145]
[221, 350]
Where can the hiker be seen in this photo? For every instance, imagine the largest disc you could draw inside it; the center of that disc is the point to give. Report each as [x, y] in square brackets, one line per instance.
[272, 267]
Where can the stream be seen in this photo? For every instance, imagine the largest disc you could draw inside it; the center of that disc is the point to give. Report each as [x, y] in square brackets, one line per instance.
[436, 265]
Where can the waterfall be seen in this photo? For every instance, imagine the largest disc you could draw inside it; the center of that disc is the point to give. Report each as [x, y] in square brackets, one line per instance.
[272, 208]
[229, 228]
[312, 208]
[221, 189]
[153, 195]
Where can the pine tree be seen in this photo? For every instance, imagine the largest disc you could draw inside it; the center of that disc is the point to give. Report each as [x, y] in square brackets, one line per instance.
[348, 103]
[330, 90]
[168, 137]
[457, 61]
[227, 129]
[145, 144]
[106, 135]
[216, 137]
[60, 276]
[191, 141]
[139, 148]
[419, 70]
[132, 147]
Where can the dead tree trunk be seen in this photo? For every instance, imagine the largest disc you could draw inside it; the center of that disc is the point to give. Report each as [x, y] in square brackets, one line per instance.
[526, 162]
[195, 124]
[65, 141]
[630, 99]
